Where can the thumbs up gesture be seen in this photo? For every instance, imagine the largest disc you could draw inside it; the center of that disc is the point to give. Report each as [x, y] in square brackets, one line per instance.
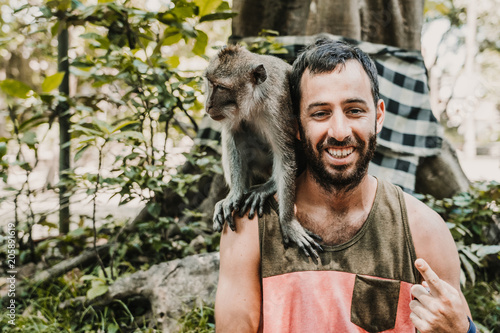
[437, 306]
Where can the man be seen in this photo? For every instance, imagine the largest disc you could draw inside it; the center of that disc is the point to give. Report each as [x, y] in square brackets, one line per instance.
[368, 278]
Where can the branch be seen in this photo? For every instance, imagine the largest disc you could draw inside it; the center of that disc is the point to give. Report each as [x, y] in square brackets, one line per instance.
[67, 265]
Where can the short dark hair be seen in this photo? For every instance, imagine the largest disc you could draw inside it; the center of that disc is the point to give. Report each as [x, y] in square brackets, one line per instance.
[323, 56]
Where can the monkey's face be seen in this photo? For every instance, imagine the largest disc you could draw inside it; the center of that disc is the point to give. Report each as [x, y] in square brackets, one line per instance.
[234, 78]
[221, 100]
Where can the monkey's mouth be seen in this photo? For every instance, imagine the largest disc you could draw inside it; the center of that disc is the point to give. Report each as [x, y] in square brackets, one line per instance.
[217, 117]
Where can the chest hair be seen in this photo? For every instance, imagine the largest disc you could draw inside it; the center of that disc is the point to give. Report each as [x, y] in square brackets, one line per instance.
[333, 229]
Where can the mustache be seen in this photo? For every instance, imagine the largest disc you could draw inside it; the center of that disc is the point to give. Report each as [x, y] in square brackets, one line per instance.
[348, 141]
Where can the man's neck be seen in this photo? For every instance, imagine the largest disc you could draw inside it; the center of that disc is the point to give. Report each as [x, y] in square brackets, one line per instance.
[338, 200]
[337, 215]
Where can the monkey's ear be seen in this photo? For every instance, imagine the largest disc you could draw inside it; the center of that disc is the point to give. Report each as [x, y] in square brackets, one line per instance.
[259, 74]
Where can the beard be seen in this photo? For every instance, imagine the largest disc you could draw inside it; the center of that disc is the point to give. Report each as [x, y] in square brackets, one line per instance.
[342, 180]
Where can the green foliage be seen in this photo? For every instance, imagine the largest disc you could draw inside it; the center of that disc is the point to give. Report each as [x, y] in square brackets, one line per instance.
[131, 111]
[201, 319]
[484, 302]
[266, 44]
[473, 218]
[55, 307]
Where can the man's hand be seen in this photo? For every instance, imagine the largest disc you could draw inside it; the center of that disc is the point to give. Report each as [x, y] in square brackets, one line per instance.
[439, 307]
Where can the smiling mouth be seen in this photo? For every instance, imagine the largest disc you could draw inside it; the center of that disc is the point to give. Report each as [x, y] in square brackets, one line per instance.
[340, 152]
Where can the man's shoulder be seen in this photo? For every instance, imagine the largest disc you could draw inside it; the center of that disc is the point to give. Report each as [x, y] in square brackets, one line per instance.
[432, 239]
[421, 214]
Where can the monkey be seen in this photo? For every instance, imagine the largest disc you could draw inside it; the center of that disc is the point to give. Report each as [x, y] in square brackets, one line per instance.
[249, 95]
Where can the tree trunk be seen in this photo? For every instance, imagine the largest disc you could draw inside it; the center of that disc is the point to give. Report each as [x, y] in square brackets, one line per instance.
[285, 17]
[441, 175]
[64, 127]
[394, 22]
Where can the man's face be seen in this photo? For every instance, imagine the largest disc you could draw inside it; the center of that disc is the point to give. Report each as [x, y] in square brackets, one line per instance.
[338, 125]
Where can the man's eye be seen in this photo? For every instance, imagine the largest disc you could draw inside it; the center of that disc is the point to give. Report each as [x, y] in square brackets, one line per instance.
[356, 111]
[319, 114]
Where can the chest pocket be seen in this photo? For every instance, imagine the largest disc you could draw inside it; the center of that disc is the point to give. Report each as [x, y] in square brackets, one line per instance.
[374, 303]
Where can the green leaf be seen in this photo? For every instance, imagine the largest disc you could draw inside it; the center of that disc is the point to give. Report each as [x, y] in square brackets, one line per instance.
[112, 328]
[63, 5]
[102, 126]
[172, 39]
[51, 225]
[96, 291]
[54, 30]
[80, 152]
[487, 249]
[469, 270]
[201, 43]
[3, 149]
[218, 16]
[76, 232]
[29, 138]
[154, 209]
[130, 135]
[15, 88]
[125, 124]
[173, 61]
[207, 6]
[183, 11]
[86, 130]
[167, 18]
[52, 82]
[32, 122]
[471, 256]
[88, 277]
[224, 6]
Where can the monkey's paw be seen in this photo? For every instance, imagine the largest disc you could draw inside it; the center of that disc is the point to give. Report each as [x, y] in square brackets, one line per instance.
[257, 198]
[224, 211]
[305, 239]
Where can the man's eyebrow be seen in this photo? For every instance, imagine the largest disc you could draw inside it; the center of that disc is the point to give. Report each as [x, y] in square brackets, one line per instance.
[355, 101]
[314, 105]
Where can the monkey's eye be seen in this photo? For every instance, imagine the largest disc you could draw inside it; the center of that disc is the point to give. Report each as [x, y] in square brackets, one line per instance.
[218, 86]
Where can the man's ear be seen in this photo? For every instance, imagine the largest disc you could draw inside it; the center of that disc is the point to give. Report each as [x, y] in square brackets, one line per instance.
[380, 114]
[297, 132]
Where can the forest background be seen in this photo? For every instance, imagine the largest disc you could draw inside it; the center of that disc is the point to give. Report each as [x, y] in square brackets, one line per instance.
[127, 120]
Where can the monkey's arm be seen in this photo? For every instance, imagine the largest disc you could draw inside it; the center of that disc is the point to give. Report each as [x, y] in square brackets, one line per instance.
[237, 175]
[238, 299]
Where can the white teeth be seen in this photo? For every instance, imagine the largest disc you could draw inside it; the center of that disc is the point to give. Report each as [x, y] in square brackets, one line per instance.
[340, 152]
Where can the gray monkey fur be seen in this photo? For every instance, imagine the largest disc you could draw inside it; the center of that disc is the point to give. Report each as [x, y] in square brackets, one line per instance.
[249, 94]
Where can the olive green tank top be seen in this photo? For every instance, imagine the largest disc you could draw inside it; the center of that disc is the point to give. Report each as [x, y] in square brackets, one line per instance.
[362, 285]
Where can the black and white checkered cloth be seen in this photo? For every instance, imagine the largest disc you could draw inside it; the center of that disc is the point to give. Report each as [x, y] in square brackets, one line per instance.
[410, 129]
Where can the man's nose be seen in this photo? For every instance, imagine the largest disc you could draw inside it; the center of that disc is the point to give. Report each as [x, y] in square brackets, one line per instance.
[339, 127]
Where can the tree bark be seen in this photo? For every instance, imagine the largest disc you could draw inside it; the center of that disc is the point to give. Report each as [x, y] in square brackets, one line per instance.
[286, 17]
[394, 22]
[441, 175]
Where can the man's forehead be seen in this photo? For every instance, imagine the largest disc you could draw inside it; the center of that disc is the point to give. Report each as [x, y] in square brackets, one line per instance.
[349, 65]
[349, 80]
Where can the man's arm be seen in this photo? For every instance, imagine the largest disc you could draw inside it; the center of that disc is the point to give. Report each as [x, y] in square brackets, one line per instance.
[439, 305]
[238, 300]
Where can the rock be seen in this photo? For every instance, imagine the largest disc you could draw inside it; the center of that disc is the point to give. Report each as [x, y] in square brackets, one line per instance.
[172, 287]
